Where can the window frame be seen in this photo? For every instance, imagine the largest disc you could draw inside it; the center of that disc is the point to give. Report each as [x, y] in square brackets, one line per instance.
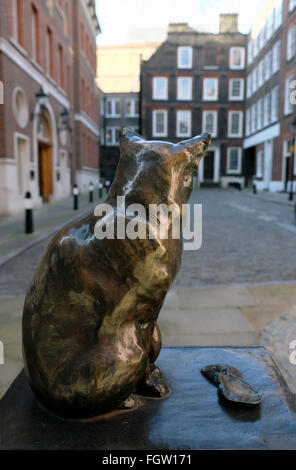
[179, 79]
[180, 134]
[243, 58]
[241, 119]
[179, 54]
[165, 132]
[113, 107]
[133, 101]
[154, 88]
[208, 98]
[288, 106]
[114, 142]
[204, 118]
[230, 171]
[242, 89]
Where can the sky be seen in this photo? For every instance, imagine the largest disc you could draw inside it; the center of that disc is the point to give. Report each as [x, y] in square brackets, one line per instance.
[117, 17]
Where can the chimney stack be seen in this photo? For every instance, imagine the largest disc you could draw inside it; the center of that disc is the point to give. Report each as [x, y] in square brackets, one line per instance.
[228, 23]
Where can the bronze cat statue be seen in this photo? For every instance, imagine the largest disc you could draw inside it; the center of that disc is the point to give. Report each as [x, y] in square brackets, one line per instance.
[90, 337]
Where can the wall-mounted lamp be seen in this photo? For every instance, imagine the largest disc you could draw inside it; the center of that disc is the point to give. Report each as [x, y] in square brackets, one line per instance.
[64, 121]
[41, 100]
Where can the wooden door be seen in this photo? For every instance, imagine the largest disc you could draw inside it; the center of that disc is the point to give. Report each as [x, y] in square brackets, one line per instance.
[45, 171]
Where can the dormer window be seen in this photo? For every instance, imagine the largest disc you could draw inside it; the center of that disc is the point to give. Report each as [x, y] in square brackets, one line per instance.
[185, 57]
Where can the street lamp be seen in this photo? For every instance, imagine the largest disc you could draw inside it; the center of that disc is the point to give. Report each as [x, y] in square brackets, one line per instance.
[292, 153]
[41, 99]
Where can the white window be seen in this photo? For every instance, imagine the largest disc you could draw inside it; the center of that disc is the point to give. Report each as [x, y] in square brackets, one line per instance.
[267, 109]
[292, 4]
[112, 136]
[254, 80]
[274, 103]
[288, 108]
[210, 89]
[113, 107]
[255, 46]
[291, 40]
[236, 89]
[185, 57]
[253, 118]
[160, 122]
[250, 52]
[276, 57]
[235, 123]
[132, 107]
[260, 113]
[248, 121]
[237, 58]
[184, 88]
[160, 88]
[278, 14]
[209, 122]
[260, 40]
[269, 26]
[260, 73]
[249, 85]
[267, 64]
[259, 164]
[234, 160]
[183, 123]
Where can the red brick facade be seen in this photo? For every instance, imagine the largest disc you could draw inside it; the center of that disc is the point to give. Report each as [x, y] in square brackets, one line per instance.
[40, 47]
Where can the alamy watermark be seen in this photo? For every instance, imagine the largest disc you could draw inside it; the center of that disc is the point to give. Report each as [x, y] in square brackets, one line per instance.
[292, 357]
[159, 221]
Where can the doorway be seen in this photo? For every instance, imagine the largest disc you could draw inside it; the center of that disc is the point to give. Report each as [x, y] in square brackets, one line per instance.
[45, 171]
[209, 167]
[45, 163]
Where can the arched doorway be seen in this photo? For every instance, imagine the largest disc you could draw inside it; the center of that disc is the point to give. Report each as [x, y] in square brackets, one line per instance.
[45, 163]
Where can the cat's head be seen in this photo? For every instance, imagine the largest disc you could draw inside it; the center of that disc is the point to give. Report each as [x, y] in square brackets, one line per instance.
[161, 168]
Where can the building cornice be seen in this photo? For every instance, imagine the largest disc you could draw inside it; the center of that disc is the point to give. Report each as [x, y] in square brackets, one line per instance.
[260, 137]
[26, 66]
[88, 123]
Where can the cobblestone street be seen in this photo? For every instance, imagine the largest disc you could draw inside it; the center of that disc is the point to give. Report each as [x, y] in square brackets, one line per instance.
[245, 240]
[236, 287]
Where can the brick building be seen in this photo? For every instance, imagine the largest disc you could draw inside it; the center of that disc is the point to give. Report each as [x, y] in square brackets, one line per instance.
[118, 77]
[195, 82]
[49, 119]
[268, 109]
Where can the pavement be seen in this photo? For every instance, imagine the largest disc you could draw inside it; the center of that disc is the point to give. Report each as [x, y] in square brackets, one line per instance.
[47, 220]
[238, 289]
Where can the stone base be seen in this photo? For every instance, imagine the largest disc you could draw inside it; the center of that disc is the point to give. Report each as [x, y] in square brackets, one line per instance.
[193, 416]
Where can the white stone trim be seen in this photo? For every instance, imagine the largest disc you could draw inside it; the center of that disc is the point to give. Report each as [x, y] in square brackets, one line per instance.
[87, 14]
[216, 151]
[25, 65]
[88, 123]
[267, 134]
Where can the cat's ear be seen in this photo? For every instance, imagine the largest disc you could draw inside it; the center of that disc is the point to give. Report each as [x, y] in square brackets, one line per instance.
[127, 135]
[197, 146]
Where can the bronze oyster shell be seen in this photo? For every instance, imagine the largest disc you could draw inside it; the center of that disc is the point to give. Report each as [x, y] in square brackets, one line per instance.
[230, 384]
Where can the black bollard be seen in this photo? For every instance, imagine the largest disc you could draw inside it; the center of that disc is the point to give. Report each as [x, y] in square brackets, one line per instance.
[295, 212]
[29, 225]
[100, 190]
[75, 195]
[107, 186]
[91, 192]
